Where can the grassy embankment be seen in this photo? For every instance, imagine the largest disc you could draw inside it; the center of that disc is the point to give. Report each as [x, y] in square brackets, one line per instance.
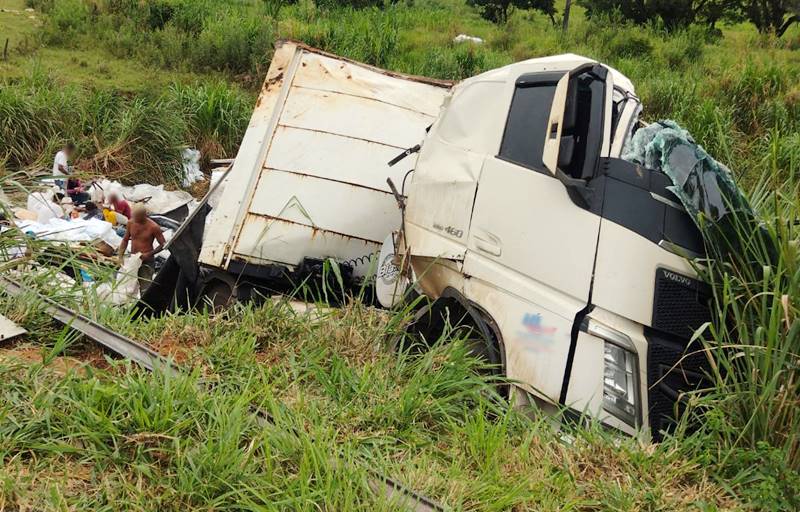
[117, 438]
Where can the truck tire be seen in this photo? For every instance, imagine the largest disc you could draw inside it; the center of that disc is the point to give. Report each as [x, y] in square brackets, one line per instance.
[219, 291]
[451, 308]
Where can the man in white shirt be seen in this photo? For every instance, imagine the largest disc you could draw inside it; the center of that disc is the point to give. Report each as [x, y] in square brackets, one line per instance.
[61, 162]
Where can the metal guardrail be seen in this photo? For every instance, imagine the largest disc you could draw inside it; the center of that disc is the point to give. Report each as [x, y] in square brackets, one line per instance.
[140, 354]
[150, 359]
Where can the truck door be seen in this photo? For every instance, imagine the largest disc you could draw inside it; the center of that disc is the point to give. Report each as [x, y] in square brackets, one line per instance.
[531, 248]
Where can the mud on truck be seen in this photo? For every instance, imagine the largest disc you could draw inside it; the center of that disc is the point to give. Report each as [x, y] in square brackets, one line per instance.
[517, 216]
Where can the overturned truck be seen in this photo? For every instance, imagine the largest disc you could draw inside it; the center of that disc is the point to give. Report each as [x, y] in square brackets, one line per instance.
[521, 220]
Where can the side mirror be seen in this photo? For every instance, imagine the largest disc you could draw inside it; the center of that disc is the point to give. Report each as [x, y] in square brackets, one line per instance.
[565, 151]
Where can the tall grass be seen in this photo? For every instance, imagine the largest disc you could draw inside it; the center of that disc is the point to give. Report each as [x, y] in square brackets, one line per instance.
[339, 400]
[752, 413]
[132, 139]
[215, 114]
[737, 95]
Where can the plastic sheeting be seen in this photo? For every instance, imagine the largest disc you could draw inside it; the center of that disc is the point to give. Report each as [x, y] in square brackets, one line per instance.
[125, 288]
[704, 186]
[75, 230]
[191, 167]
[41, 203]
[157, 201]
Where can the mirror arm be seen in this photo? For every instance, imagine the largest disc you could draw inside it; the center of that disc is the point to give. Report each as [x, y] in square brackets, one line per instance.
[577, 188]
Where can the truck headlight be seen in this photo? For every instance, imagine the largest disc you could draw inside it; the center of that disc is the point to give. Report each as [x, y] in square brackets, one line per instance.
[621, 383]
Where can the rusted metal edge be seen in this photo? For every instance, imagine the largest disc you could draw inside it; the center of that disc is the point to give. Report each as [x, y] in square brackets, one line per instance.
[313, 228]
[150, 360]
[415, 78]
[255, 172]
[325, 178]
[335, 134]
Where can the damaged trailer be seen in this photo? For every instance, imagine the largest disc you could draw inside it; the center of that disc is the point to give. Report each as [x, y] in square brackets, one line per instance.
[309, 181]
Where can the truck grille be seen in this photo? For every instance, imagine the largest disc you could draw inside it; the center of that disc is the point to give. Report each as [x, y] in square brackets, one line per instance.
[671, 370]
[681, 306]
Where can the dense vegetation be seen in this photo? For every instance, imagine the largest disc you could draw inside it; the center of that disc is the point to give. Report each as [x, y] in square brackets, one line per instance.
[737, 93]
[770, 16]
[181, 72]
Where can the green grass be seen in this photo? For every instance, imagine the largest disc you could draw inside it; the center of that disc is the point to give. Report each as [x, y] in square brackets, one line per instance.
[106, 436]
[121, 439]
[131, 138]
[89, 66]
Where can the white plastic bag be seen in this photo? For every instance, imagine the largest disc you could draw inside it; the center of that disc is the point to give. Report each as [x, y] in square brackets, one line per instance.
[464, 38]
[126, 285]
[41, 203]
[191, 167]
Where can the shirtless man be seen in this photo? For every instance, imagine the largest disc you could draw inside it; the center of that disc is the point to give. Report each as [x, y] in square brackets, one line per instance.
[142, 231]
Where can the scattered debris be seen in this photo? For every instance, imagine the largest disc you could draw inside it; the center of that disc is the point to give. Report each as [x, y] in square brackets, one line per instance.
[44, 206]
[74, 230]
[125, 288]
[9, 329]
[191, 167]
[157, 200]
[464, 38]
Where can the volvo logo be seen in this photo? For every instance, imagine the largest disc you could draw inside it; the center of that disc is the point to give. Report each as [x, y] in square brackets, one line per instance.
[672, 276]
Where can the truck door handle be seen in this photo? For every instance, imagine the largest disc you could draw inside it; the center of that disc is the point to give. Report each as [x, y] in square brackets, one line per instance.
[488, 243]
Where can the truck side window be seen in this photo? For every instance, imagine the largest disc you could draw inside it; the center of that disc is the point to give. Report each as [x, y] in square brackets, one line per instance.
[526, 127]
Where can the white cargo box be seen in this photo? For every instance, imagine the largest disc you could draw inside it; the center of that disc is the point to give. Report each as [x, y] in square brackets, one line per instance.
[309, 180]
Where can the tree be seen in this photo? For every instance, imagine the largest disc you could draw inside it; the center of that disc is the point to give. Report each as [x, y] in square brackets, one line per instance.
[565, 20]
[673, 13]
[498, 10]
[772, 15]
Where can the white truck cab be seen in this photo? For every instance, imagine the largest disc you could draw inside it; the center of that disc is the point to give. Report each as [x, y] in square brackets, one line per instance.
[570, 261]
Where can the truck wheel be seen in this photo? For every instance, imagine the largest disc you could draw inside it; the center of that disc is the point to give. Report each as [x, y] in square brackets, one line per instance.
[431, 321]
[219, 291]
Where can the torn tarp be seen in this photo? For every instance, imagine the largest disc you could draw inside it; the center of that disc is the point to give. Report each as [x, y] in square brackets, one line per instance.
[704, 186]
[174, 287]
